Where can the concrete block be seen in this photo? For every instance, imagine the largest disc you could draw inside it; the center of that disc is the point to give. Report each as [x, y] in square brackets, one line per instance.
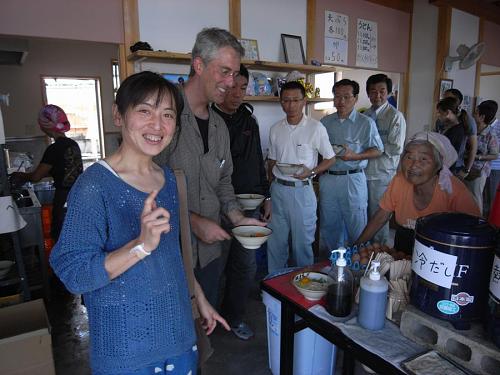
[469, 348]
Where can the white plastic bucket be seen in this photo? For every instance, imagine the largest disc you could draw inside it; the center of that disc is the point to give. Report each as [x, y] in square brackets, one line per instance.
[312, 354]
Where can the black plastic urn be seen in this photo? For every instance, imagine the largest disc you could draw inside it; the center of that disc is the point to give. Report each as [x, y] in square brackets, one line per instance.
[493, 318]
[452, 256]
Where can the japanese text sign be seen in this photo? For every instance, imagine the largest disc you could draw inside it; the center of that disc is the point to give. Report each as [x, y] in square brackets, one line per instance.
[336, 25]
[495, 279]
[433, 265]
[366, 44]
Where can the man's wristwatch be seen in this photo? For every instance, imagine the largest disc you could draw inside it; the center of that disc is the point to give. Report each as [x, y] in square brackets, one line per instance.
[139, 251]
[313, 174]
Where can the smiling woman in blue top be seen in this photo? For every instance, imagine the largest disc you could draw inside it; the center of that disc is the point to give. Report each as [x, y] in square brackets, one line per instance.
[119, 246]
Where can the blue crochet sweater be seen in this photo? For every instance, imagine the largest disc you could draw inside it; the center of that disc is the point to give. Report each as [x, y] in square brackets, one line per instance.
[143, 315]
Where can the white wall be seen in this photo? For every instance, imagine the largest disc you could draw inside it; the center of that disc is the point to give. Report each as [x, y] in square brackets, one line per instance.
[265, 21]
[172, 25]
[489, 88]
[464, 30]
[422, 67]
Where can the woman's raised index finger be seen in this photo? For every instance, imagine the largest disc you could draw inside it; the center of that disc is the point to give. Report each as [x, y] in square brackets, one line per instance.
[149, 203]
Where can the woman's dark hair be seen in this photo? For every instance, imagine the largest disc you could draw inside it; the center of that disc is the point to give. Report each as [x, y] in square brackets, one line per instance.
[244, 72]
[488, 109]
[449, 104]
[347, 82]
[293, 85]
[457, 94]
[138, 87]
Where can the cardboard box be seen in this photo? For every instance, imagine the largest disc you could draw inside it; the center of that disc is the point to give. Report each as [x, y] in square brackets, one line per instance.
[25, 341]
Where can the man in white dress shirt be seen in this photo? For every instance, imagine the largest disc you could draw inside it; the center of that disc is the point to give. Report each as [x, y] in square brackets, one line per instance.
[297, 139]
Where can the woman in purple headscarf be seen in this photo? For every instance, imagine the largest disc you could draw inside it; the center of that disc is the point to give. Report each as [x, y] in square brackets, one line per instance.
[62, 160]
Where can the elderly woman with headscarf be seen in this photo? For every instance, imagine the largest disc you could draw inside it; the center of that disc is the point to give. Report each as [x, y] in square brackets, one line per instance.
[62, 160]
[423, 185]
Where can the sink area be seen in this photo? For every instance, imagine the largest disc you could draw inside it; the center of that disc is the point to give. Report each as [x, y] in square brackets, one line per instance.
[25, 198]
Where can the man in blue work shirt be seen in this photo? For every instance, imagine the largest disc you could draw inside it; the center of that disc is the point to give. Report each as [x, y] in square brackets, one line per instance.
[343, 189]
[391, 126]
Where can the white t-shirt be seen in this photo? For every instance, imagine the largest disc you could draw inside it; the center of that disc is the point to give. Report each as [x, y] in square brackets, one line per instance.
[298, 144]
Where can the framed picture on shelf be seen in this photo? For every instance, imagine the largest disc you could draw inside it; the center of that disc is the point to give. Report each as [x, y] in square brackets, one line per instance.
[175, 78]
[294, 51]
[251, 49]
[444, 84]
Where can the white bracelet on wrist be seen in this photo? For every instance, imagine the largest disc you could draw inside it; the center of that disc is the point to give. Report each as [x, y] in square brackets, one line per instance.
[139, 251]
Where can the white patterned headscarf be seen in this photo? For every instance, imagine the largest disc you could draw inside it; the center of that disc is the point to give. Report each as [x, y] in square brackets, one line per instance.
[444, 147]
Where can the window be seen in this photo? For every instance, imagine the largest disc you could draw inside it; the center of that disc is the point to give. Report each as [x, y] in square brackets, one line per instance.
[81, 100]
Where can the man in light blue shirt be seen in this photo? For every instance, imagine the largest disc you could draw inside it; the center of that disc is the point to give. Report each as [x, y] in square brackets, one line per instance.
[391, 126]
[343, 189]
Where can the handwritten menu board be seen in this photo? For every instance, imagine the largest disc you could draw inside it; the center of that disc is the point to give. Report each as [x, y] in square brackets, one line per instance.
[336, 36]
[366, 44]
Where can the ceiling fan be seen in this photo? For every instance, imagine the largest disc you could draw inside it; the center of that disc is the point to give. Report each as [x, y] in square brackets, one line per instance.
[467, 56]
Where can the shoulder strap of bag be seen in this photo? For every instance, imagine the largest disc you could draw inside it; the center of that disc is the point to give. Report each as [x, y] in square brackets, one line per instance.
[187, 254]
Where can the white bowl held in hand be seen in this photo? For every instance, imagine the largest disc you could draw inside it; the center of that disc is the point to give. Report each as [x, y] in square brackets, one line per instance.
[249, 201]
[5, 267]
[251, 236]
[290, 169]
[312, 285]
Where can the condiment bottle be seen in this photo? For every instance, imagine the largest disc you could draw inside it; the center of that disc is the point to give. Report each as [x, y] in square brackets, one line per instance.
[373, 299]
[340, 292]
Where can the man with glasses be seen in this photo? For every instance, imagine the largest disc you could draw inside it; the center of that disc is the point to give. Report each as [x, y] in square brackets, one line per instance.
[391, 126]
[343, 189]
[297, 139]
[201, 149]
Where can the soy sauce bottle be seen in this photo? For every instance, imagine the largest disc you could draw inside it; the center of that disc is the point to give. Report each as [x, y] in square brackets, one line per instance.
[340, 292]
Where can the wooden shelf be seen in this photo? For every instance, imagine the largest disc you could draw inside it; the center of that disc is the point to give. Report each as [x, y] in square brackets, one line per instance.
[185, 58]
[276, 99]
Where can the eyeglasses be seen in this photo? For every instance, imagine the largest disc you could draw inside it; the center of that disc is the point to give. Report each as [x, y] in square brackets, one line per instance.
[291, 100]
[224, 72]
[345, 98]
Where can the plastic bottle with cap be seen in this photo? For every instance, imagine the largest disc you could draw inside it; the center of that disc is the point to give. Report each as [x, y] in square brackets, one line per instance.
[373, 299]
[340, 292]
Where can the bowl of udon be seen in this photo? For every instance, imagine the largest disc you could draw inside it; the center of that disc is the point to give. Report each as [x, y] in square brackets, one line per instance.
[251, 236]
[312, 285]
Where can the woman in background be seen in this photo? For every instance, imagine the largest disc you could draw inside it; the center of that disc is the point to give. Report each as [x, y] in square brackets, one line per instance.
[487, 150]
[451, 126]
[119, 246]
[62, 160]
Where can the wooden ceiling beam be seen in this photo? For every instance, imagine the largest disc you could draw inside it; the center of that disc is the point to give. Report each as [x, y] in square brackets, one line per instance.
[402, 5]
[480, 8]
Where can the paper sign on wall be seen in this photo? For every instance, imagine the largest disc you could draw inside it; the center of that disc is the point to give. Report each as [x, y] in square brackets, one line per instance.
[433, 265]
[336, 38]
[336, 25]
[366, 44]
[335, 51]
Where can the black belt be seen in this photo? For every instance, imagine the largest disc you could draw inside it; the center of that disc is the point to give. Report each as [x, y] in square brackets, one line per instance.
[351, 171]
[292, 183]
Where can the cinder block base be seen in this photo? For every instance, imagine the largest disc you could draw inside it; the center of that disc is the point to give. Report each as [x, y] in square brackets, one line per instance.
[468, 348]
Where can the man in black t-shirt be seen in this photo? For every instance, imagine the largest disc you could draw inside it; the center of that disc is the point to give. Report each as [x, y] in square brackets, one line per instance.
[249, 176]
